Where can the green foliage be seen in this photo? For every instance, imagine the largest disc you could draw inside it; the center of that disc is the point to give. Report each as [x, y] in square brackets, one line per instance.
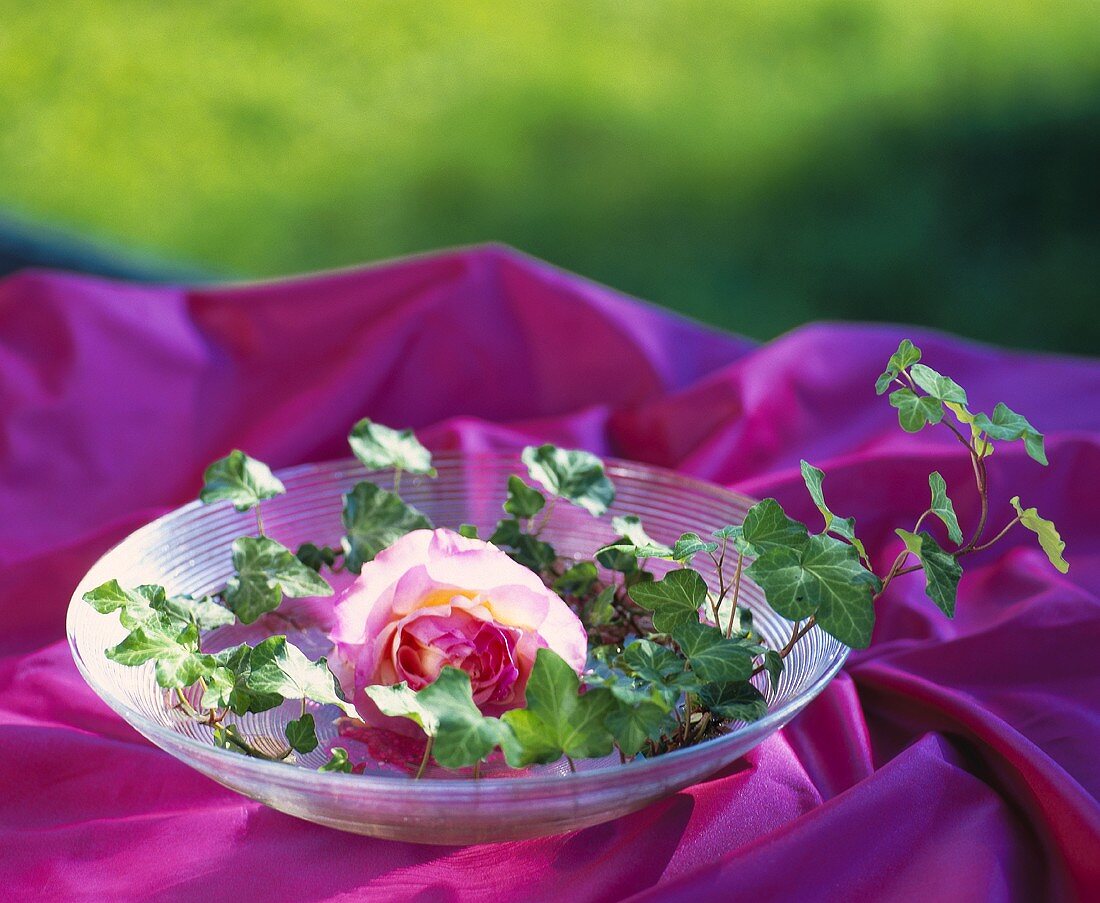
[577, 580]
[462, 735]
[915, 411]
[902, 359]
[773, 664]
[278, 667]
[149, 603]
[712, 657]
[1006, 424]
[600, 610]
[401, 701]
[337, 761]
[941, 569]
[230, 684]
[557, 720]
[315, 557]
[844, 527]
[767, 527]
[267, 571]
[239, 479]
[378, 447]
[943, 508]
[524, 547]
[1049, 538]
[675, 599]
[301, 734]
[374, 519]
[739, 701]
[938, 386]
[576, 476]
[178, 661]
[523, 501]
[468, 530]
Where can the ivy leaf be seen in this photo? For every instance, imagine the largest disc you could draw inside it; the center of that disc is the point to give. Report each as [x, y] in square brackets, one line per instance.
[266, 571]
[773, 664]
[533, 553]
[178, 661]
[675, 599]
[630, 528]
[239, 479]
[767, 527]
[378, 447]
[632, 725]
[315, 557]
[469, 531]
[278, 667]
[1049, 538]
[714, 658]
[651, 661]
[844, 527]
[906, 355]
[302, 734]
[942, 571]
[940, 387]
[142, 605]
[576, 476]
[943, 508]
[739, 701]
[373, 520]
[577, 580]
[204, 612]
[914, 411]
[401, 701]
[600, 611]
[985, 447]
[556, 720]
[1006, 424]
[523, 501]
[689, 545]
[620, 557]
[463, 735]
[337, 761]
[823, 577]
[228, 684]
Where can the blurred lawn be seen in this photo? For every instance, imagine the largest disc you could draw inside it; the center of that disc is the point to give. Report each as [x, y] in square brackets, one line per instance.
[754, 165]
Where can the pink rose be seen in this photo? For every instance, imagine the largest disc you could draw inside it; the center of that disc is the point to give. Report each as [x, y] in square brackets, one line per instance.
[435, 598]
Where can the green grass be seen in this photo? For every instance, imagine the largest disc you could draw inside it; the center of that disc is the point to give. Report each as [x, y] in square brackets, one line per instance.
[755, 165]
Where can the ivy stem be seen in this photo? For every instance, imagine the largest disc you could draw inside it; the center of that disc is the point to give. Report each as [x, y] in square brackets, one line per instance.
[424, 760]
[477, 769]
[1012, 523]
[259, 521]
[185, 703]
[547, 513]
[736, 592]
[396, 480]
[798, 633]
[572, 764]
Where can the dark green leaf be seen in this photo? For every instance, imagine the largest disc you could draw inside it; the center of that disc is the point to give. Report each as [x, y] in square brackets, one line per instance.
[1007, 425]
[533, 554]
[463, 735]
[315, 557]
[651, 661]
[768, 527]
[915, 411]
[600, 610]
[739, 701]
[523, 501]
[239, 479]
[906, 355]
[576, 476]
[373, 520]
[228, 684]
[940, 387]
[632, 725]
[773, 664]
[577, 580]
[1049, 537]
[941, 569]
[618, 557]
[840, 526]
[674, 599]
[267, 571]
[379, 446]
[278, 667]
[302, 734]
[714, 658]
[943, 508]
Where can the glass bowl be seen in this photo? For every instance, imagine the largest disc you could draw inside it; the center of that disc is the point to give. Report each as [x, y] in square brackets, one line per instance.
[187, 551]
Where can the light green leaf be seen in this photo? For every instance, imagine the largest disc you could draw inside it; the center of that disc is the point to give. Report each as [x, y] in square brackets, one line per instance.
[379, 447]
[239, 479]
[267, 571]
[576, 476]
[278, 667]
[941, 569]
[674, 599]
[373, 520]
[840, 526]
[1007, 425]
[600, 610]
[1049, 537]
[556, 720]
[523, 501]
[178, 661]
[463, 735]
[337, 761]
[906, 355]
[915, 411]
[739, 701]
[204, 613]
[940, 387]
[301, 734]
[651, 661]
[714, 658]
[468, 530]
[768, 527]
[401, 701]
[943, 508]
[823, 577]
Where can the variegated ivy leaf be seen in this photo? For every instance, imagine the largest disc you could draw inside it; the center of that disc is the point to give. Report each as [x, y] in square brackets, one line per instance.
[844, 527]
[940, 387]
[942, 571]
[943, 508]
[574, 475]
[239, 479]
[277, 667]
[1007, 425]
[1049, 537]
[178, 661]
[378, 447]
[523, 501]
[149, 602]
[906, 355]
[267, 571]
[374, 519]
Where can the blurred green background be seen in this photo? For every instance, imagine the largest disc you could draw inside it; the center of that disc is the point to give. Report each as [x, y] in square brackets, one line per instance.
[755, 165]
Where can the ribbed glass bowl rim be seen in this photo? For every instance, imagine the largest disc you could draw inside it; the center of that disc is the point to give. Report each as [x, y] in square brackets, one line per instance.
[281, 773]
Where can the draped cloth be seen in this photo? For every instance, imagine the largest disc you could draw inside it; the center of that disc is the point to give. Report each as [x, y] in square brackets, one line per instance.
[952, 760]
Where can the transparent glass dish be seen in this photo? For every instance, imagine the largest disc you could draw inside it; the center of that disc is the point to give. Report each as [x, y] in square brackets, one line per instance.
[187, 551]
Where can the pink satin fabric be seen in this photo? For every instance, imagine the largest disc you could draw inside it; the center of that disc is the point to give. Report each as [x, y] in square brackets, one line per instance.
[954, 760]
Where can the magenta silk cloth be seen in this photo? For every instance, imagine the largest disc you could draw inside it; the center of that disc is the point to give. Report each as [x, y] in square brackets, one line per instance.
[954, 760]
